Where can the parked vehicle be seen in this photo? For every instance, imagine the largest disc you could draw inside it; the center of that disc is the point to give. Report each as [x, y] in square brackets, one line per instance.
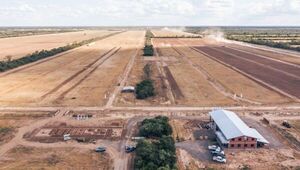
[129, 149]
[217, 152]
[67, 137]
[219, 159]
[213, 147]
[286, 124]
[100, 149]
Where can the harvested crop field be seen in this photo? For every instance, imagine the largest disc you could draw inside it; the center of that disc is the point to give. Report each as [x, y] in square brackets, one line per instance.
[195, 89]
[282, 76]
[78, 77]
[219, 79]
[17, 47]
[23, 157]
[267, 53]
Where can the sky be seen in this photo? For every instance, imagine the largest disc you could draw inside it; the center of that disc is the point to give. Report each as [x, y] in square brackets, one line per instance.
[150, 13]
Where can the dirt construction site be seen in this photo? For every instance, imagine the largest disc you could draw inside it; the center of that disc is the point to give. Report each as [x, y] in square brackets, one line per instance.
[78, 93]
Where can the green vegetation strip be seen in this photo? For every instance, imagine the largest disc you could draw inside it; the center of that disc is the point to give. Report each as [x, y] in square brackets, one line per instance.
[38, 55]
[148, 49]
[145, 88]
[270, 43]
[157, 151]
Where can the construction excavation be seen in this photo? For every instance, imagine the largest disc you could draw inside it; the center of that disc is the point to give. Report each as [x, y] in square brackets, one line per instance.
[86, 107]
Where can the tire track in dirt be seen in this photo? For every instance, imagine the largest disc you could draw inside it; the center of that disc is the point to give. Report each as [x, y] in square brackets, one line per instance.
[74, 75]
[165, 83]
[123, 80]
[87, 75]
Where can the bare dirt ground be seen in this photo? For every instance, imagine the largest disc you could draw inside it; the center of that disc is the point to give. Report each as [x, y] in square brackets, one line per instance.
[231, 81]
[259, 68]
[76, 78]
[223, 79]
[25, 157]
[279, 56]
[11, 121]
[20, 46]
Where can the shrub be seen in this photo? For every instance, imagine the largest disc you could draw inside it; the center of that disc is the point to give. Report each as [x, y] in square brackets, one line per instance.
[144, 89]
[148, 50]
[157, 127]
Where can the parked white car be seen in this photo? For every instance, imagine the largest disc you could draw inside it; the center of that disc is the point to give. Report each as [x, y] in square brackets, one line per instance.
[218, 152]
[213, 147]
[219, 159]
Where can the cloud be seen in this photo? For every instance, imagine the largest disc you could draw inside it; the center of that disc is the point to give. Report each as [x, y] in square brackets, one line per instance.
[149, 12]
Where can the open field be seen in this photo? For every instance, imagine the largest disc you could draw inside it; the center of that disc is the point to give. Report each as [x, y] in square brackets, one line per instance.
[285, 57]
[283, 76]
[11, 121]
[195, 89]
[217, 81]
[6, 32]
[17, 47]
[72, 78]
[24, 157]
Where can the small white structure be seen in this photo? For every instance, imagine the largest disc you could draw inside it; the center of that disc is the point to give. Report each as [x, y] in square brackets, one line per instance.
[67, 137]
[128, 89]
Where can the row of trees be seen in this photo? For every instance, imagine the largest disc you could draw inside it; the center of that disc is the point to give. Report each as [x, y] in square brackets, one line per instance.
[148, 49]
[145, 88]
[38, 55]
[157, 151]
[283, 45]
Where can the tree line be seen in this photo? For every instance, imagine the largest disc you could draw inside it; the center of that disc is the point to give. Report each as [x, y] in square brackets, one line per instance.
[157, 151]
[145, 88]
[270, 43]
[148, 48]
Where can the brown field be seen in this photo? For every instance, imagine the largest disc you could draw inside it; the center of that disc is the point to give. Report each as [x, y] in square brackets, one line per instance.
[22, 157]
[201, 91]
[195, 89]
[283, 76]
[279, 56]
[20, 46]
[11, 121]
[79, 77]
